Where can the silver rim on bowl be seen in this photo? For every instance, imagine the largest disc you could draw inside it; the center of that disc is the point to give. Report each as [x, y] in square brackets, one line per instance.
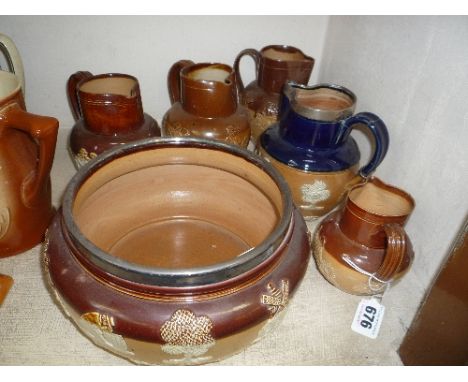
[181, 277]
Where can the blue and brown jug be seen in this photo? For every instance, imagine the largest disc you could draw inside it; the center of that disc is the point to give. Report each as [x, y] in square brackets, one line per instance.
[312, 148]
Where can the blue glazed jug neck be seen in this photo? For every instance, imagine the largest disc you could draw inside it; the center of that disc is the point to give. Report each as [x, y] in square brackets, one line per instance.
[314, 116]
[303, 132]
[313, 133]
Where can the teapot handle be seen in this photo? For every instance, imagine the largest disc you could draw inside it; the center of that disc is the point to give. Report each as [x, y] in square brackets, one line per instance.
[173, 79]
[15, 64]
[381, 138]
[44, 131]
[396, 251]
[255, 54]
[72, 92]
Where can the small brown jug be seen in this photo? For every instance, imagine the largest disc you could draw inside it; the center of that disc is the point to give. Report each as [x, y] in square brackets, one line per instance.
[363, 247]
[274, 65]
[108, 112]
[205, 104]
[27, 147]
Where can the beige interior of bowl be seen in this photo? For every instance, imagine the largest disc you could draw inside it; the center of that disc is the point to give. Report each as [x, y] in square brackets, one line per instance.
[178, 207]
[380, 201]
[123, 86]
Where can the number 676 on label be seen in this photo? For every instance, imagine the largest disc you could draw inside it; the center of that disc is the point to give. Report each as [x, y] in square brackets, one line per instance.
[368, 318]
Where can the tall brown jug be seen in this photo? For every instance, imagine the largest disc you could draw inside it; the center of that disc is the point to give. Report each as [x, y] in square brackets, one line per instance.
[27, 147]
[205, 104]
[274, 65]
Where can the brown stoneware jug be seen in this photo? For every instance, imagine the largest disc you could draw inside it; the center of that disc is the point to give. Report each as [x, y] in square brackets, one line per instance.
[274, 65]
[205, 104]
[313, 149]
[363, 247]
[176, 250]
[108, 111]
[27, 147]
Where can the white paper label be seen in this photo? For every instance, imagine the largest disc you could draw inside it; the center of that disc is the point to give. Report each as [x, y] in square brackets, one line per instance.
[368, 318]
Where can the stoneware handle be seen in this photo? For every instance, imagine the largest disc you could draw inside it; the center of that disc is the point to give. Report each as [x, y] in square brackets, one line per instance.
[246, 52]
[381, 138]
[395, 252]
[8, 48]
[44, 131]
[173, 79]
[72, 92]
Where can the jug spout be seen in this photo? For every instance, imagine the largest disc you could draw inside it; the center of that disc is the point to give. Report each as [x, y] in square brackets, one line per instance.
[281, 63]
[369, 206]
[208, 90]
[313, 115]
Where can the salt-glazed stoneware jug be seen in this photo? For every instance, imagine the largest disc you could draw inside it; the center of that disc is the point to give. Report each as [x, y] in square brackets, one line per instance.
[312, 148]
[153, 262]
[204, 100]
[363, 247]
[27, 147]
[274, 65]
[108, 111]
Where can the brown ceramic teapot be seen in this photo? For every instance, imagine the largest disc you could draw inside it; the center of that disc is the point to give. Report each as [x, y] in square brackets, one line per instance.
[108, 111]
[205, 104]
[274, 65]
[27, 147]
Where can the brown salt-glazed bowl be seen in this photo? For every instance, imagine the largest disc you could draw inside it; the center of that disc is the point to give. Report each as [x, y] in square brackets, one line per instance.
[176, 250]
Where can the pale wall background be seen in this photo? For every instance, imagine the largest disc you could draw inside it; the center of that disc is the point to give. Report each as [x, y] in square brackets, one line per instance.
[411, 71]
[54, 47]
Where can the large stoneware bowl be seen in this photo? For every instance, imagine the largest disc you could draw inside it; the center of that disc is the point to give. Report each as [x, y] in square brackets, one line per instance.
[176, 251]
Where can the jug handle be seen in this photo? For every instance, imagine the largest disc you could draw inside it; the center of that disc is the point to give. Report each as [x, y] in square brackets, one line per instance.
[255, 54]
[381, 139]
[44, 131]
[173, 79]
[72, 92]
[395, 252]
[15, 64]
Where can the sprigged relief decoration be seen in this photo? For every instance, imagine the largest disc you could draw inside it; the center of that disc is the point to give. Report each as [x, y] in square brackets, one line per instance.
[103, 321]
[84, 157]
[100, 328]
[278, 297]
[314, 193]
[187, 334]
